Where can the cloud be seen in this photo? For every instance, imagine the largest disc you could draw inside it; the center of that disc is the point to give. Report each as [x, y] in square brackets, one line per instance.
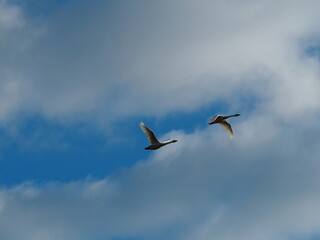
[116, 60]
[10, 18]
[113, 60]
[204, 187]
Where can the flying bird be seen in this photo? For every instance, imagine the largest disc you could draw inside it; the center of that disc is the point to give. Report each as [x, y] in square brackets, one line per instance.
[154, 143]
[222, 120]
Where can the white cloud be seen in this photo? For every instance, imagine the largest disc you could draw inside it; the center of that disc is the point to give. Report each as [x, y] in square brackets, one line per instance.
[142, 58]
[10, 17]
[207, 186]
[120, 60]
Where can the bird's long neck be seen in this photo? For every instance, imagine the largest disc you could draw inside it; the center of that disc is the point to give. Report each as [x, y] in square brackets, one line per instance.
[169, 141]
[233, 115]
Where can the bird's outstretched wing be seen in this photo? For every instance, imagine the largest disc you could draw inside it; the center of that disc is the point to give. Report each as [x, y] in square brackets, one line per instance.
[228, 128]
[149, 134]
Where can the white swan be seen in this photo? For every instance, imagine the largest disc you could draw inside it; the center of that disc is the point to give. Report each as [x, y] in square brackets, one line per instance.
[222, 120]
[154, 143]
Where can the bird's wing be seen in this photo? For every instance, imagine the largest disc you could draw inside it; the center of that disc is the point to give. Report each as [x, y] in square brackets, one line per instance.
[227, 126]
[149, 134]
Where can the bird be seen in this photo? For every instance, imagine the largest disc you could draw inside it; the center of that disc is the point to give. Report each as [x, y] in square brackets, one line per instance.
[154, 143]
[222, 120]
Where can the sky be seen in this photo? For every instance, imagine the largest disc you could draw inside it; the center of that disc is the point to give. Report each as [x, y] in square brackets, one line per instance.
[77, 77]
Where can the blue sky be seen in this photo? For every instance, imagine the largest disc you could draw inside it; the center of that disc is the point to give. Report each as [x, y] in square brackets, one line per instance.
[76, 79]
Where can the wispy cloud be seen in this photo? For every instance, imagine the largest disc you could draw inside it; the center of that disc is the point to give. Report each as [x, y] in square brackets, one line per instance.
[206, 188]
[10, 17]
[107, 61]
[125, 59]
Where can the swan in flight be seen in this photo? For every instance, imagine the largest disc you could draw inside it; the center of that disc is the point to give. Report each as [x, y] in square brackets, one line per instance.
[222, 120]
[154, 143]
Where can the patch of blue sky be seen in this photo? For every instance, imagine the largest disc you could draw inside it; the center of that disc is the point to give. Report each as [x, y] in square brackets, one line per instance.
[125, 238]
[303, 236]
[315, 237]
[40, 150]
[311, 48]
[43, 150]
[41, 8]
[313, 51]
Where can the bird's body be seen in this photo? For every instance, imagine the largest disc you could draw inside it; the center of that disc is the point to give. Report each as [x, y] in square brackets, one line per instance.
[154, 143]
[222, 120]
